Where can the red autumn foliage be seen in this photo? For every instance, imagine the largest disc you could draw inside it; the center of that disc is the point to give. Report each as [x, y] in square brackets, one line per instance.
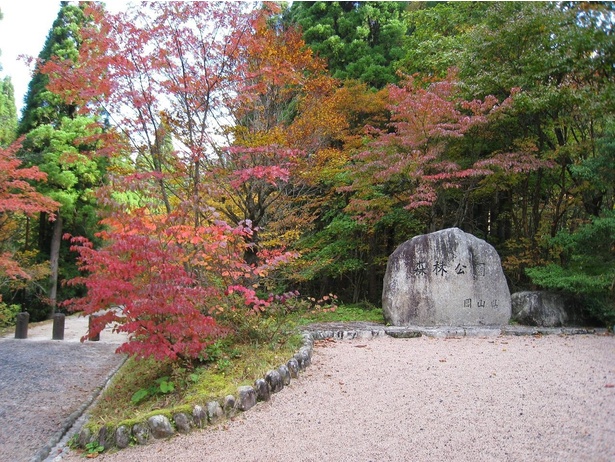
[164, 75]
[165, 281]
[408, 164]
[18, 196]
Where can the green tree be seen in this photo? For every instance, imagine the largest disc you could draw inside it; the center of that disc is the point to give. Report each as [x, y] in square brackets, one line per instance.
[436, 35]
[586, 267]
[40, 105]
[557, 58]
[8, 112]
[54, 143]
[359, 40]
[65, 154]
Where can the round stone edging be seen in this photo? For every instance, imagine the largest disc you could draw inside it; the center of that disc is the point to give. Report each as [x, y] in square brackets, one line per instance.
[160, 426]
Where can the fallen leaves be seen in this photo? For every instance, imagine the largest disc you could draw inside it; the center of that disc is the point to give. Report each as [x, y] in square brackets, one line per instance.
[324, 342]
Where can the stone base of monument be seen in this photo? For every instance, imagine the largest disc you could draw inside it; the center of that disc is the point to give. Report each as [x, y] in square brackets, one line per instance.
[367, 330]
[446, 278]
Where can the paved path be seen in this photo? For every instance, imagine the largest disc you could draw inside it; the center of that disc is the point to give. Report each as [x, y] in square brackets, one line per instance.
[46, 385]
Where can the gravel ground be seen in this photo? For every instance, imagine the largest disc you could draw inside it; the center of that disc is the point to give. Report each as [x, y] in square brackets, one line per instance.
[545, 398]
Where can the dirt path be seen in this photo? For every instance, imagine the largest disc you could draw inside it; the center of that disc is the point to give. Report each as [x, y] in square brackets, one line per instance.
[549, 398]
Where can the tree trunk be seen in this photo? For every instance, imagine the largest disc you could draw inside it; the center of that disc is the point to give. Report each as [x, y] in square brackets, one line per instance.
[54, 260]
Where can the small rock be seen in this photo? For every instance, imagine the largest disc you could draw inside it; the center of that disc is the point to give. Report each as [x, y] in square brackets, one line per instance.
[105, 438]
[403, 333]
[229, 405]
[214, 411]
[199, 415]
[285, 374]
[122, 436]
[182, 422]
[293, 367]
[274, 379]
[85, 437]
[160, 426]
[141, 432]
[303, 357]
[247, 397]
[299, 357]
[263, 390]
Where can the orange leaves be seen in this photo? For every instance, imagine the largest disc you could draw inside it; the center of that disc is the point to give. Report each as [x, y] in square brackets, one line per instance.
[275, 69]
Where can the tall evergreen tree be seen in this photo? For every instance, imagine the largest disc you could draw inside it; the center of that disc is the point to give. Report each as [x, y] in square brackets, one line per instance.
[359, 40]
[54, 134]
[8, 113]
[40, 105]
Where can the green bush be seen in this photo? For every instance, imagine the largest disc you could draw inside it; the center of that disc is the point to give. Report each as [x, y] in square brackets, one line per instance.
[586, 267]
[8, 313]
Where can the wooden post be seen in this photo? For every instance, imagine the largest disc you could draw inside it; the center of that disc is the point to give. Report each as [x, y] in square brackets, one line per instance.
[59, 320]
[21, 325]
[92, 338]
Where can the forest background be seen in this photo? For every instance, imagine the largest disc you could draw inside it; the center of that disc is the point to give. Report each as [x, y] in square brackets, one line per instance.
[199, 163]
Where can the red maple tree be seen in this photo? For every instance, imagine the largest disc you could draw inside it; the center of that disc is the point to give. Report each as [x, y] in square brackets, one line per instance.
[409, 163]
[163, 76]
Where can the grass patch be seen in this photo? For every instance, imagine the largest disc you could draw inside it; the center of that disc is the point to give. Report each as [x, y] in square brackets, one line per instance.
[363, 312]
[166, 388]
[213, 380]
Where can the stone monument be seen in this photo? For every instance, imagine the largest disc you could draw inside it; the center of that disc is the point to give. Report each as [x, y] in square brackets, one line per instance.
[446, 278]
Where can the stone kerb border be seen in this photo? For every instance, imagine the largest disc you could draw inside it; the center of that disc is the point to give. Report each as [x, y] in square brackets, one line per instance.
[161, 426]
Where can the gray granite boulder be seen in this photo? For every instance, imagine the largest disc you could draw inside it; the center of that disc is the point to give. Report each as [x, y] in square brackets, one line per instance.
[263, 390]
[546, 309]
[199, 416]
[105, 438]
[303, 357]
[446, 278]
[85, 437]
[183, 423]
[122, 436]
[229, 405]
[141, 433]
[293, 367]
[285, 374]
